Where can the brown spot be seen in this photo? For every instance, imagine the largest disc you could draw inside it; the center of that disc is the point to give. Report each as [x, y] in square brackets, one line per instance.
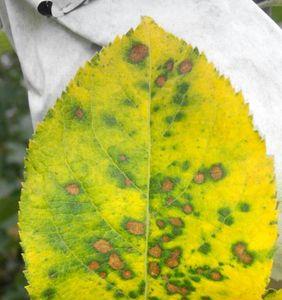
[136, 228]
[165, 238]
[155, 251]
[246, 258]
[239, 249]
[177, 222]
[169, 200]
[167, 185]
[79, 113]
[103, 275]
[200, 271]
[102, 246]
[160, 224]
[216, 276]
[216, 172]
[199, 178]
[187, 209]
[122, 157]
[165, 277]
[128, 182]
[115, 262]
[183, 291]
[169, 65]
[185, 66]
[138, 53]
[94, 265]
[173, 260]
[160, 81]
[127, 274]
[72, 189]
[173, 289]
[154, 269]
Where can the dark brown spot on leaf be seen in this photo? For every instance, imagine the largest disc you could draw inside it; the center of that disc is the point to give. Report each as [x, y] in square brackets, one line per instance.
[177, 222]
[154, 269]
[165, 238]
[199, 178]
[135, 227]
[79, 113]
[127, 274]
[155, 251]
[138, 53]
[94, 265]
[160, 224]
[103, 274]
[187, 209]
[216, 276]
[102, 246]
[122, 157]
[167, 185]
[127, 182]
[169, 65]
[240, 251]
[173, 260]
[216, 172]
[169, 200]
[185, 66]
[115, 262]
[72, 189]
[160, 81]
[173, 289]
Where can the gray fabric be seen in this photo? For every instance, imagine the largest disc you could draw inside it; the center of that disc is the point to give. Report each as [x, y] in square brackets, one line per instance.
[242, 42]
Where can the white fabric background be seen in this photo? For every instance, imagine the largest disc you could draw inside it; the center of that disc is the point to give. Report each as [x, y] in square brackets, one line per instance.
[242, 42]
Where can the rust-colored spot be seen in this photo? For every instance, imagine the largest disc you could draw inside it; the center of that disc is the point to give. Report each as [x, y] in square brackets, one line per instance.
[94, 265]
[79, 113]
[122, 157]
[155, 251]
[187, 209]
[239, 249]
[183, 291]
[246, 258]
[72, 189]
[167, 185]
[169, 200]
[160, 81]
[136, 228]
[172, 288]
[199, 178]
[165, 238]
[103, 274]
[169, 65]
[177, 222]
[127, 182]
[173, 260]
[216, 276]
[216, 172]
[160, 224]
[185, 66]
[115, 262]
[127, 274]
[154, 269]
[138, 53]
[102, 246]
[165, 277]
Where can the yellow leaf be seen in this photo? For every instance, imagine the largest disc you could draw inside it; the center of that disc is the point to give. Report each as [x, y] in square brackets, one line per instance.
[148, 181]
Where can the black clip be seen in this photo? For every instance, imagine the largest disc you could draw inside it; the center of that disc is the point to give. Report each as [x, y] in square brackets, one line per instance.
[45, 8]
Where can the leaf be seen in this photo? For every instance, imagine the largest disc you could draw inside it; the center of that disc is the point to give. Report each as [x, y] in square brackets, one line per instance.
[148, 181]
[274, 295]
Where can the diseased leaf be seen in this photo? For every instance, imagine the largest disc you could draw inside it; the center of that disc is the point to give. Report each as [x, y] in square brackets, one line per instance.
[274, 295]
[148, 181]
